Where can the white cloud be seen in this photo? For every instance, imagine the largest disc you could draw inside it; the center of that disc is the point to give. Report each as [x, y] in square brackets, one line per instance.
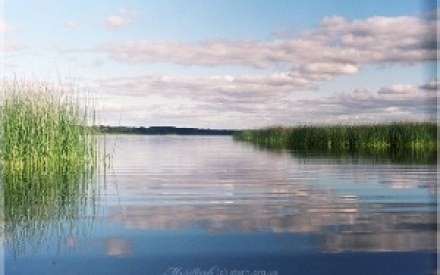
[392, 109]
[225, 89]
[399, 89]
[336, 46]
[330, 68]
[204, 101]
[124, 18]
[259, 101]
[394, 103]
[374, 40]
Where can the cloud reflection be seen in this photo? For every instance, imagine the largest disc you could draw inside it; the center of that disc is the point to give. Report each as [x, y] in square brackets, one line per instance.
[117, 247]
[344, 204]
[336, 227]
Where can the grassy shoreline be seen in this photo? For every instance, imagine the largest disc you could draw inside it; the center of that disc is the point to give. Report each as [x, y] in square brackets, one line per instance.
[347, 138]
[48, 156]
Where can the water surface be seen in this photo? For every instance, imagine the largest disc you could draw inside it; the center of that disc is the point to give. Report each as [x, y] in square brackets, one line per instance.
[209, 205]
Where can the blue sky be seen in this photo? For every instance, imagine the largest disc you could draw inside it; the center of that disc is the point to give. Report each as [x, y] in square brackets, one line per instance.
[231, 64]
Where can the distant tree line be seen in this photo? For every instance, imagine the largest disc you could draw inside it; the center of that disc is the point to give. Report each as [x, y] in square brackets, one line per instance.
[162, 130]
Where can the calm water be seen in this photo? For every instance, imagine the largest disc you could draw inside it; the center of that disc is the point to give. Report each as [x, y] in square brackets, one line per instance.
[209, 205]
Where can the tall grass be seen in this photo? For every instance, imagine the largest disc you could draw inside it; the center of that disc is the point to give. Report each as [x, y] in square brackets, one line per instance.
[44, 128]
[412, 136]
[48, 156]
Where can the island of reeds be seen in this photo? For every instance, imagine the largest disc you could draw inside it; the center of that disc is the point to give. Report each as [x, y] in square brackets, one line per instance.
[397, 138]
[48, 153]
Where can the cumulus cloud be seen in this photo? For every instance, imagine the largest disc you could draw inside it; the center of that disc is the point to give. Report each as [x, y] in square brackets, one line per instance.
[394, 103]
[222, 89]
[124, 18]
[336, 46]
[399, 89]
[206, 101]
[331, 68]
[259, 101]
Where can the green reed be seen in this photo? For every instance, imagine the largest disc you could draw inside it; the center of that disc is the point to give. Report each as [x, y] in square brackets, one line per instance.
[44, 129]
[48, 156]
[414, 136]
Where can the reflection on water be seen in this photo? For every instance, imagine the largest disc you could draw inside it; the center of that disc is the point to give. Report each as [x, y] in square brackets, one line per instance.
[167, 197]
[39, 205]
[336, 230]
[117, 247]
[372, 155]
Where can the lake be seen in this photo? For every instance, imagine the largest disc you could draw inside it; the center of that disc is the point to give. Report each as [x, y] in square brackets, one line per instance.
[186, 205]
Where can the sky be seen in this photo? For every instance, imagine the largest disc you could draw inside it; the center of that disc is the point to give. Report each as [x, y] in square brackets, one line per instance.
[231, 63]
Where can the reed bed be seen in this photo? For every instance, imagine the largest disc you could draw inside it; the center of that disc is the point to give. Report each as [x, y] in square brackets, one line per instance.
[347, 138]
[48, 156]
[45, 129]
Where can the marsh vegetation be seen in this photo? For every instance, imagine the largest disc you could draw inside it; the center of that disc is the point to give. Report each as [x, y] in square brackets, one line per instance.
[413, 139]
[48, 156]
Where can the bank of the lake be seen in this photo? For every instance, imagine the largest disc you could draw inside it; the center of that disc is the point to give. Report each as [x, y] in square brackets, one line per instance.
[347, 138]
